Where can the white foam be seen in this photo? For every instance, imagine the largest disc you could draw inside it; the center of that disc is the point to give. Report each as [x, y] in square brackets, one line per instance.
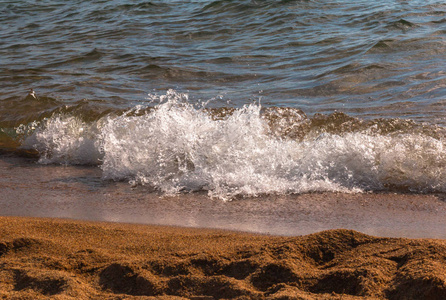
[177, 147]
[65, 140]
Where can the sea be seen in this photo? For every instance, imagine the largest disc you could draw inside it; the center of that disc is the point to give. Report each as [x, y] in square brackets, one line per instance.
[243, 99]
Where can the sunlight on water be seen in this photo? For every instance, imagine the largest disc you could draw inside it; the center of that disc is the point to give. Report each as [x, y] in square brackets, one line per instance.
[380, 59]
[177, 147]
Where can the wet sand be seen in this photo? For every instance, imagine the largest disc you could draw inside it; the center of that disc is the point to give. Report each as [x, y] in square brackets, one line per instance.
[64, 259]
[32, 190]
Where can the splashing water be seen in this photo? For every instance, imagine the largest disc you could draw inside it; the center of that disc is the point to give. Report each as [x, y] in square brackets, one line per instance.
[176, 147]
[65, 139]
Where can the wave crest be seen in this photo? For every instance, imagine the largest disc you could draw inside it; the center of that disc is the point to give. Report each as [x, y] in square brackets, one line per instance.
[176, 147]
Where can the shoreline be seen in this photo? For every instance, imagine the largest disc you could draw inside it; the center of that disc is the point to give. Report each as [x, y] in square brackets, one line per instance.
[79, 193]
[66, 259]
[67, 234]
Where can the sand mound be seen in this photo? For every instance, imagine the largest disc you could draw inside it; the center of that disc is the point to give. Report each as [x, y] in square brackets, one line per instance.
[57, 259]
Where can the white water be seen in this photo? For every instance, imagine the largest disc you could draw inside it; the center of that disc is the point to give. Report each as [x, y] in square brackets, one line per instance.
[177, 147]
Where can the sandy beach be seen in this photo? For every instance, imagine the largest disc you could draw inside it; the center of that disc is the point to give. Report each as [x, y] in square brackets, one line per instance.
[63, 259]
[67, 234]
[223, 150]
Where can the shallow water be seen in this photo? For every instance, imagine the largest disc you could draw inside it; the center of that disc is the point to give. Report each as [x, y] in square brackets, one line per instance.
[79, 193]
[232, 99]
[178, 148]
[380, 59]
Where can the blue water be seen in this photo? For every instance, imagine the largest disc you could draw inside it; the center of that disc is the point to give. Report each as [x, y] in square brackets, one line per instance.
[232, 97]
[372, 59]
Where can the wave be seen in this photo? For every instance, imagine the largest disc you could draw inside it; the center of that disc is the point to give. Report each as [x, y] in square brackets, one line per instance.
[230, 152]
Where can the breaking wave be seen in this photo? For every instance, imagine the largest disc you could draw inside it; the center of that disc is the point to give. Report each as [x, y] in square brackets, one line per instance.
[177, 147]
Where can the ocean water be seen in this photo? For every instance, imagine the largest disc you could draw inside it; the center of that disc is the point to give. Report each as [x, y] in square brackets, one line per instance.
[230, 98]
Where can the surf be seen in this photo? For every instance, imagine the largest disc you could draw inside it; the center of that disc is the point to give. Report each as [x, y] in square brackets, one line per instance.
[176, 147]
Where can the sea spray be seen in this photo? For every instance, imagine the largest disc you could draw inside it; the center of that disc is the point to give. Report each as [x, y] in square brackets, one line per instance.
[64, 139]
[176, 147]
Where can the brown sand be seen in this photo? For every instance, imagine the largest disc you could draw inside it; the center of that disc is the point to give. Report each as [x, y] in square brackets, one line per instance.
[61, 259]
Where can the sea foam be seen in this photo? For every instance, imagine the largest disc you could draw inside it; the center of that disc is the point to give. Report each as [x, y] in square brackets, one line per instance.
[176, 147]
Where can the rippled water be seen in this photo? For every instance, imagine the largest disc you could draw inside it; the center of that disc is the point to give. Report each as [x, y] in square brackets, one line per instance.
[384, 58]
[154, 92]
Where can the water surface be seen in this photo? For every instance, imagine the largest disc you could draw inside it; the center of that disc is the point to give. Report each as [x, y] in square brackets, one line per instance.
[230, 98]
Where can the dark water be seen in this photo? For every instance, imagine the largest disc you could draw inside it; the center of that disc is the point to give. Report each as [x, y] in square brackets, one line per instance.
[381, 58]
[230, 97]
